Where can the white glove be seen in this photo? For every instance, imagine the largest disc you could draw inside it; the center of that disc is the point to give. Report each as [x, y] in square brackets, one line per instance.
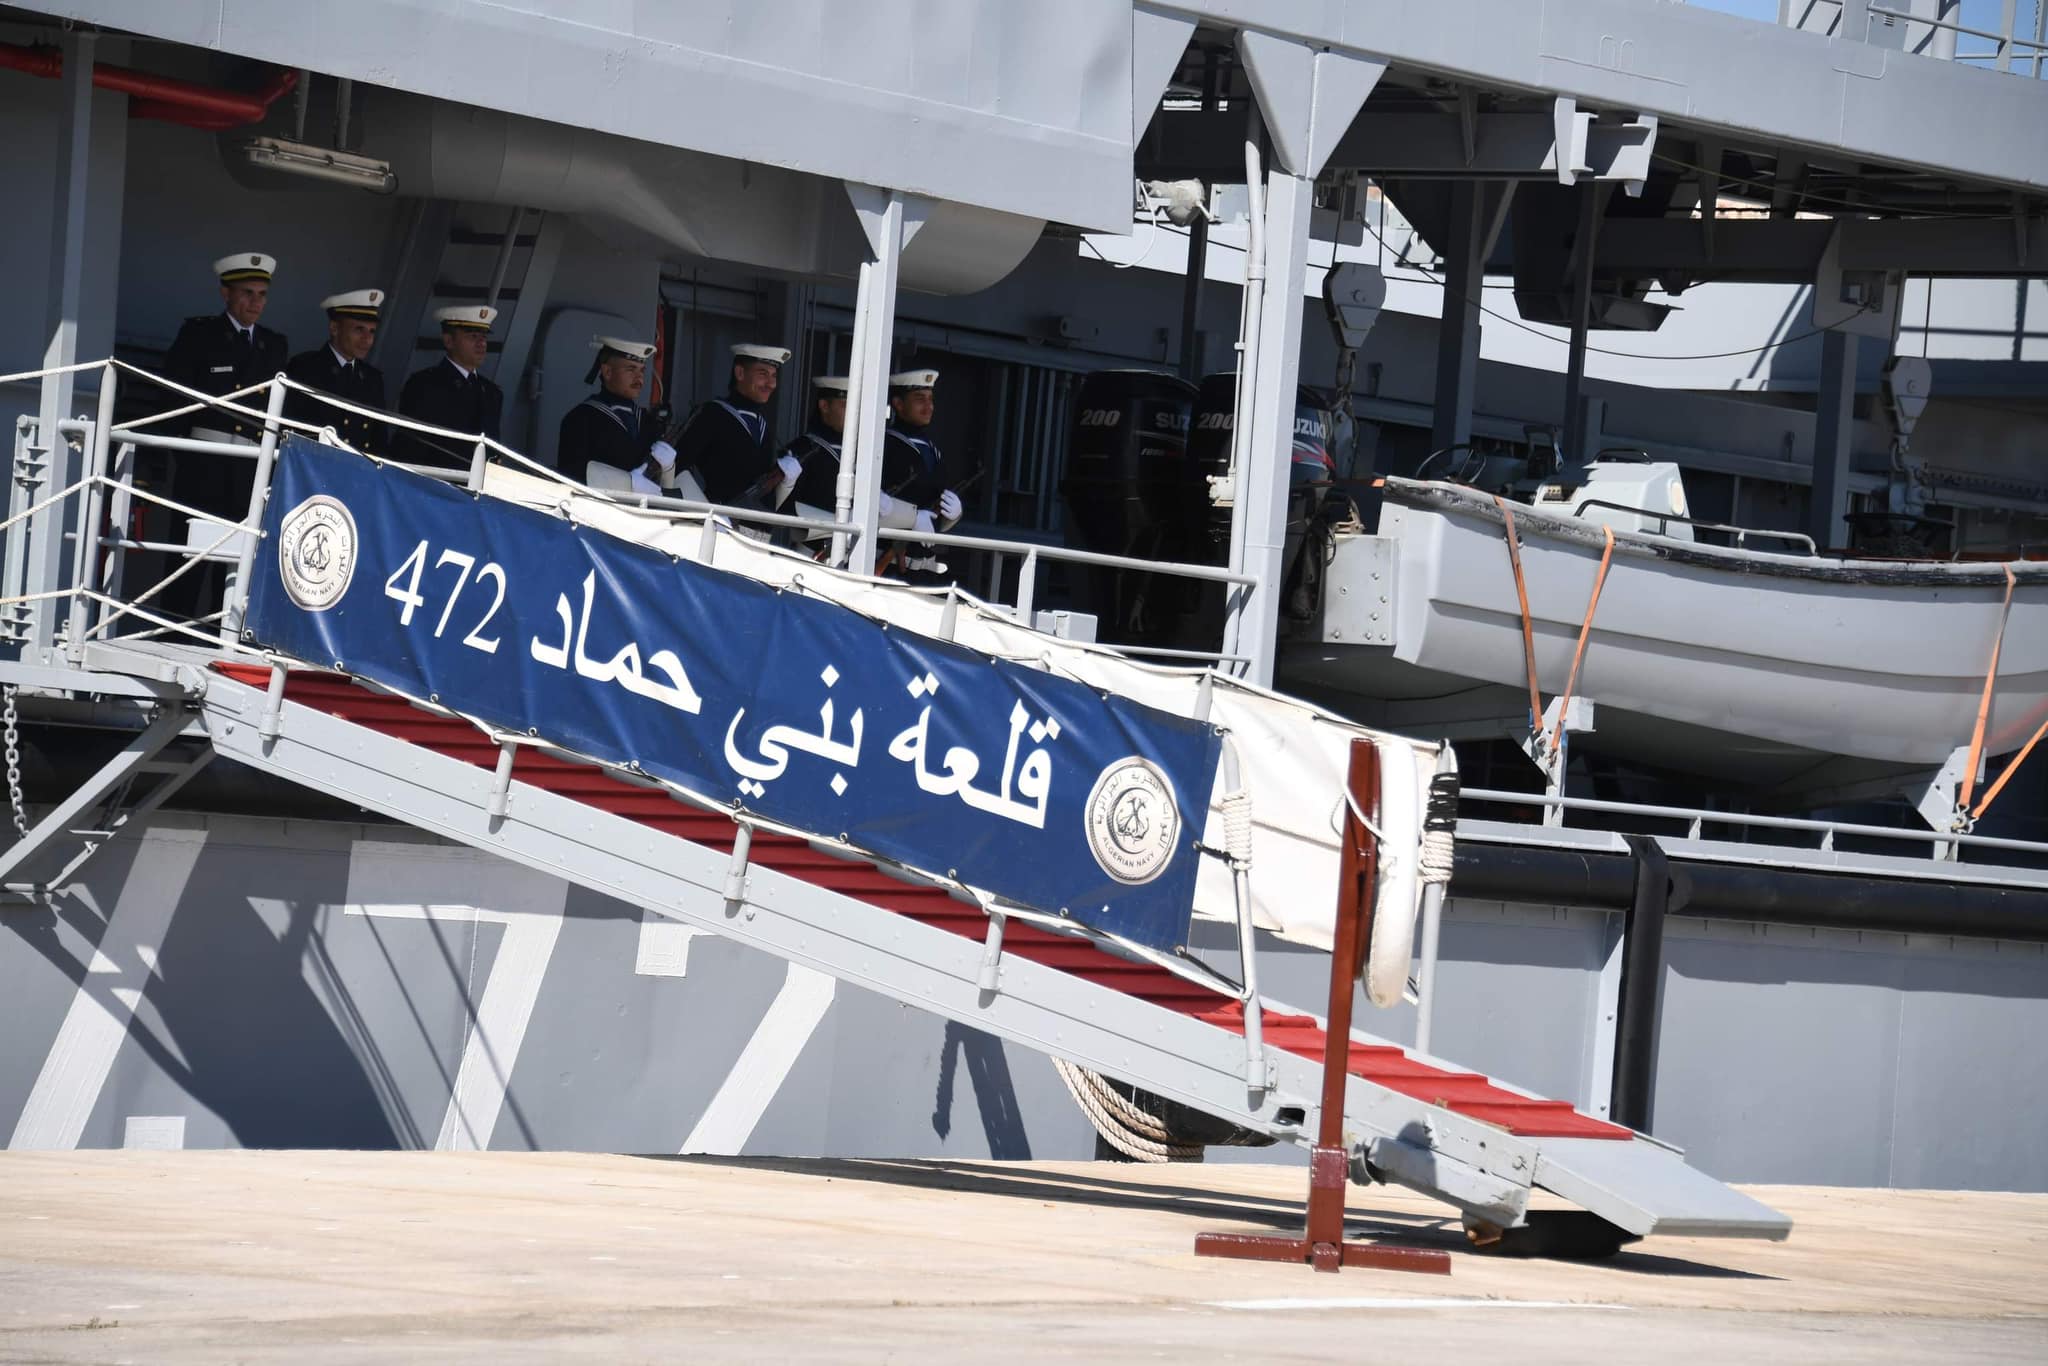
[949, 506]
[791, 467]
[664, 454]
[924, 522]
[642, 484]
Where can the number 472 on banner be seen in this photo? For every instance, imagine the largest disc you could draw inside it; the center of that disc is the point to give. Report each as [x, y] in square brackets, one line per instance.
[409, 596]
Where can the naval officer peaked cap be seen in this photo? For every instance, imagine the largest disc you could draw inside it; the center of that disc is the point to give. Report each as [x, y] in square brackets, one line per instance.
[357, 303]
[913, 379]
[774, 355]
[476, 316]
[830, 384]
[245, 265]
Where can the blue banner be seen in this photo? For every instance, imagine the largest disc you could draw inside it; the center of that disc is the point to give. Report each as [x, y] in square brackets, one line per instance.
[1028, 785]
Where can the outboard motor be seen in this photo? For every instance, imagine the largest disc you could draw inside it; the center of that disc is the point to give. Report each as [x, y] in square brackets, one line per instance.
[1130, 490]
[1312, 468]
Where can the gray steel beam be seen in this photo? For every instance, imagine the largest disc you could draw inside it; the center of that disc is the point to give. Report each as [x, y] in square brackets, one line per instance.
[67, 275]
[1457, 340]
[1788, 249]
[1806, 91]
[1833, 430]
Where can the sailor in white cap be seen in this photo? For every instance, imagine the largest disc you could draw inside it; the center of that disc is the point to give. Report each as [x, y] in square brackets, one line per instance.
[913, 469]
[726, 440]
[341, 368]
[609, 431]
[218, 353]
[452, 392]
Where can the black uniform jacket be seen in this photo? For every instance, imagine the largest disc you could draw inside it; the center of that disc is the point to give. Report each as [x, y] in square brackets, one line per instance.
[359, 382]
[211, 356]
[607, 429]
[817, 450]
[912, 468]
[445, 397]
[726, 442]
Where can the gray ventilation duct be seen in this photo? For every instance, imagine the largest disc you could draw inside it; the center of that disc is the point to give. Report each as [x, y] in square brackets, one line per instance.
[672, 199]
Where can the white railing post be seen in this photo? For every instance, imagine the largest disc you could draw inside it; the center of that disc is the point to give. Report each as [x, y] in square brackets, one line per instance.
[85, 576]
[236, 608]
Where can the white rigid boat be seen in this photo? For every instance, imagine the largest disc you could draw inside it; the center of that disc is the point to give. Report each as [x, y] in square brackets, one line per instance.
[1797, 671]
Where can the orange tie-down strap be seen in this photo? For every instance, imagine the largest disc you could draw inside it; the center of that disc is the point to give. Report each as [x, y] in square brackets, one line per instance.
[1984, 717]
[1571, 681]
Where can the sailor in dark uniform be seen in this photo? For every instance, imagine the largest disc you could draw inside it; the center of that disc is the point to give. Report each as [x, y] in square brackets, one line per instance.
[913, 469]
[608, 441]
[452, 392]
[816, 453]
[218, 353]
[340, 368]
[726, 442]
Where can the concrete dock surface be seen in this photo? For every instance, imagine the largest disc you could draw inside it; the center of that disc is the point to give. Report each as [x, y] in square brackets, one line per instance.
[329, 1257]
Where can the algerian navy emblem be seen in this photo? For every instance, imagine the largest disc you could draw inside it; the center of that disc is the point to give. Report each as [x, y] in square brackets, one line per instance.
[1132, 822]
[316, 552]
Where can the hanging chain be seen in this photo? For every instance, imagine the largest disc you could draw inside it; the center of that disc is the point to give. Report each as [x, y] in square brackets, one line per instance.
[13, 737]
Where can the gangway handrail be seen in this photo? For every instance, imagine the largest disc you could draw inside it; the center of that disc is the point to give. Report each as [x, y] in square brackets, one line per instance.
[1031, 554]
[1702, 816]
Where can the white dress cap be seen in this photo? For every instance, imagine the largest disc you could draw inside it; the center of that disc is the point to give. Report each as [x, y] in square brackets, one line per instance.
[913, 379]
[479, 316]
[829, 384]
[774, 355]
[357, 303]
[632, 350]
[244, 265]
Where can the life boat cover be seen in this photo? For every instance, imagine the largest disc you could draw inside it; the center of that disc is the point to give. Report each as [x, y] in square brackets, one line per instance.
[1292, 758]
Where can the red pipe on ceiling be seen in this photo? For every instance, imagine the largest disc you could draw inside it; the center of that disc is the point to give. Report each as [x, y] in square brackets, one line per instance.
[161, 97]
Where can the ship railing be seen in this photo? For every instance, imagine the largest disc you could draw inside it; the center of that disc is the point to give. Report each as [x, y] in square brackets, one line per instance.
[1938, 844]
[109, 485]
[2008, 45]
[1739, 534]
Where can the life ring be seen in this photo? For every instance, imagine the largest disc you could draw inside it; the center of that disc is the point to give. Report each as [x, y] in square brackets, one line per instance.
[1397, 892]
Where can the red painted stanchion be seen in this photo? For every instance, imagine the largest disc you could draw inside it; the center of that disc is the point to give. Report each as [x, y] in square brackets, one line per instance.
[1322, 1243]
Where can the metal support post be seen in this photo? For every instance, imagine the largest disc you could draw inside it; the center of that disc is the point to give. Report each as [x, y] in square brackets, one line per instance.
[1582, 316]
[85, 571]
[890, 221]
[736, 871]
[991, 976]
[1258, 528]
[477, 460]
[1323, 1245]
[1834, 423]
[1198, 258]
[1027, 586]
[1642, 988]
[501, 782]
[67, 259]
[1457, 337]
[1425, 967]
[272, 723]
[237, 605]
